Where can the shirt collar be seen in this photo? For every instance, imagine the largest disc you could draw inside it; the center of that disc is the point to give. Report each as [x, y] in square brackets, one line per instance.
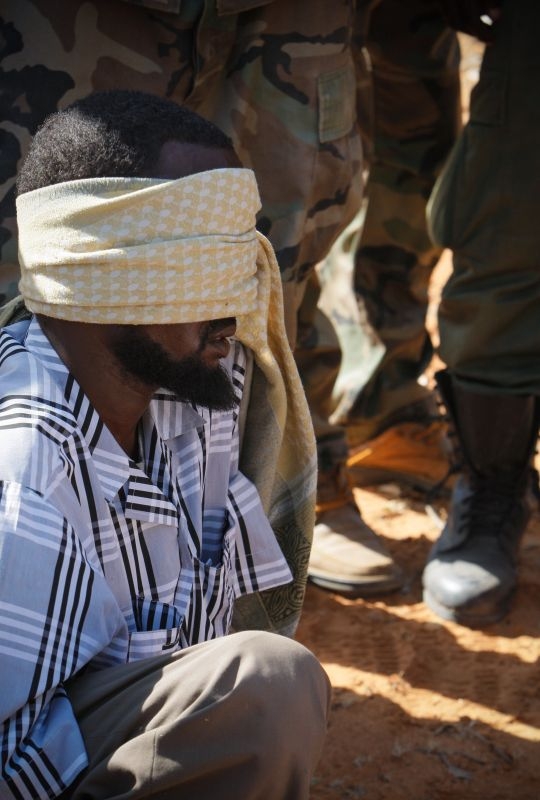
[170, 417]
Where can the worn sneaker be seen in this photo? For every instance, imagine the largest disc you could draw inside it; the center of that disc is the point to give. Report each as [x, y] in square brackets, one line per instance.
[347, 556]
[411, 453]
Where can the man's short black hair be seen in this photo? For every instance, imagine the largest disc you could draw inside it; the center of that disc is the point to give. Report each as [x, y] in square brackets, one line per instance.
[110, 134]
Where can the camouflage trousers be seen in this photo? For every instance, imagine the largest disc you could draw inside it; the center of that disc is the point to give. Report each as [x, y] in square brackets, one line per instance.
[483, 209]
[278, 77]
[373, 287]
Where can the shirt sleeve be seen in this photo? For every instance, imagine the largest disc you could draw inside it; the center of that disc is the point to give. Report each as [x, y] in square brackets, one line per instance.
[56, 614]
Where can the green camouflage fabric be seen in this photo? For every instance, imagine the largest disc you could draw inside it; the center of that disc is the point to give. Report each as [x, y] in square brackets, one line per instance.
[483, 209]
[278, 77]
[375, 281]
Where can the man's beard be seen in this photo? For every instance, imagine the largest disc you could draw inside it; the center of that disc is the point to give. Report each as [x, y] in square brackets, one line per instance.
[189, 378]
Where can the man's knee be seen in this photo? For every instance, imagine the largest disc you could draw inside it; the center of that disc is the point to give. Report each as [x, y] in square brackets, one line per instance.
[282, 708]
[281, 678]
[272, 657]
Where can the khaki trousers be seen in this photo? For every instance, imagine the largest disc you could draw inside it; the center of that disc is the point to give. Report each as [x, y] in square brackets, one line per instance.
[238, 718]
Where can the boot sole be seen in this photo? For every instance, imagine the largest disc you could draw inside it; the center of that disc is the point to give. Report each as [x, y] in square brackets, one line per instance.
[367, 588]
[469, 618]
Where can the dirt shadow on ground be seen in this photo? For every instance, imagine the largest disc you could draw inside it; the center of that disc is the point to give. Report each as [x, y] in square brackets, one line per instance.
[421, 653]
[392, 755]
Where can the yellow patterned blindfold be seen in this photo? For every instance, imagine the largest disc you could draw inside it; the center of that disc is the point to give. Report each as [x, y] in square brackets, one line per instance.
[141, 250]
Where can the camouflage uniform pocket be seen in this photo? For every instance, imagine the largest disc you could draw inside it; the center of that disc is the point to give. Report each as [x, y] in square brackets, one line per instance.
[336, 103]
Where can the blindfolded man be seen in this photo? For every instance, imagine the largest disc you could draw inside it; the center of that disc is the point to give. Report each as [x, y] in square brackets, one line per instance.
[156, 461]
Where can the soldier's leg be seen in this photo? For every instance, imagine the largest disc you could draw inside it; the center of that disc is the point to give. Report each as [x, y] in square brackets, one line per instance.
[415, 63]
[288, 103]
[484, 209]
[416, 118]
[347, 556]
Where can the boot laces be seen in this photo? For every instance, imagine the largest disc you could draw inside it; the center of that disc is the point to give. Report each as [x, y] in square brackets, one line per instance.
[492, 504]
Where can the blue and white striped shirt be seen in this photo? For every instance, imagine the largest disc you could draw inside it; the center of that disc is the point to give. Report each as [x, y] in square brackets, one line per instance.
[102, 560]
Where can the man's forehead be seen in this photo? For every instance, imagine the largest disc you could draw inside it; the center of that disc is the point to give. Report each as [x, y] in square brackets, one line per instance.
[180, 159]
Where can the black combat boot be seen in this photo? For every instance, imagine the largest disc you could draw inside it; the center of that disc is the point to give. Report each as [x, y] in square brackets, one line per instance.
[472, 569]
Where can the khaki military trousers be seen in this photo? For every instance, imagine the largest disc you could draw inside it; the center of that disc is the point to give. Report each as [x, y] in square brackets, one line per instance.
[238, 718]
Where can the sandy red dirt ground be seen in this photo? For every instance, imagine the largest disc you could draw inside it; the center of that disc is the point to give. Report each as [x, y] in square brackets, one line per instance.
[425, 709]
